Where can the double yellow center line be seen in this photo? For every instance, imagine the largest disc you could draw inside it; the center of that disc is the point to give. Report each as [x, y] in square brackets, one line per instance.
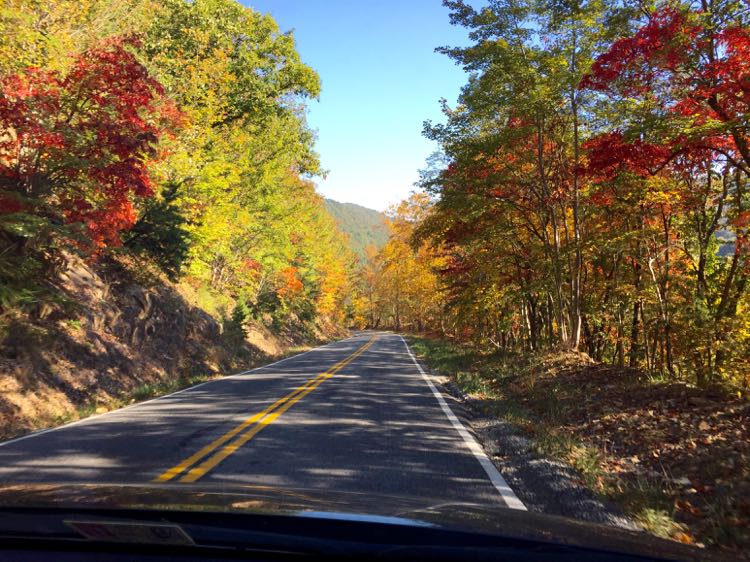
[199, 463]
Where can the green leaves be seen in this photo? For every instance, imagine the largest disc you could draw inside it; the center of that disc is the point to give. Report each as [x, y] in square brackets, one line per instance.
[161, 232]
[227, 62]
[23, 225]
[231, 206]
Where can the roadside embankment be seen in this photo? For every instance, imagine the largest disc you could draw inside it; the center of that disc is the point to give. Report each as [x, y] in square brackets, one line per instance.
[676, 459]
[118, 333]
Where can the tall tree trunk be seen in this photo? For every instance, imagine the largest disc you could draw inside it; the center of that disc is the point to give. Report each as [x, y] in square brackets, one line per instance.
[559, 307]
[620, 347]
[551, 219]
[533, 323]
[636, 350]
[575, 304]
[666, 292]
[661, 286]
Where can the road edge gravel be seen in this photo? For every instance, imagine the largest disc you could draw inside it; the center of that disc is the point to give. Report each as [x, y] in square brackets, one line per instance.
[544, 485]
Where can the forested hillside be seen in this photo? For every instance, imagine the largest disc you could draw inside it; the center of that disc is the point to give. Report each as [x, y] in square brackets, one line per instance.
[365, 227]
[593, 210]
[163, 145]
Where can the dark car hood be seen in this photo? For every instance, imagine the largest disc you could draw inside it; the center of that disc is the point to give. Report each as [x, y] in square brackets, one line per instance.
[262, 500]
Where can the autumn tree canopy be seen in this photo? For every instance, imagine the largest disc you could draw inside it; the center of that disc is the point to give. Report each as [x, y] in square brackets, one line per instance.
[173, 132]
[590, 190]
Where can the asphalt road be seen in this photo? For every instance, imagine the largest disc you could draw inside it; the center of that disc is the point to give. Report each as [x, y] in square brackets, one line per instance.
[357, 415]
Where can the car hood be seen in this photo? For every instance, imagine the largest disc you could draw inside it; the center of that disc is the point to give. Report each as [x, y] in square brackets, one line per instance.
[264, 501]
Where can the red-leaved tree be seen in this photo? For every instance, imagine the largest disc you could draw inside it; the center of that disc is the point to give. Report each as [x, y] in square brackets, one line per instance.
[693, 75]
[75, 147]
[682, 153]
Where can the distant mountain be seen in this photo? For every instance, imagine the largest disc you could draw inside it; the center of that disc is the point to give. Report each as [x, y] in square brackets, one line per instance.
[365, 227]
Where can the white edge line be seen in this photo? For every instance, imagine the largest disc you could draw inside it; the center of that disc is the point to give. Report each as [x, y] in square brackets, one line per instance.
[118, 410]
[510, 497]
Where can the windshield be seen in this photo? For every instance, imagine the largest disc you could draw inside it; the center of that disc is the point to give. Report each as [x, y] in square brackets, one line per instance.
[440, 263]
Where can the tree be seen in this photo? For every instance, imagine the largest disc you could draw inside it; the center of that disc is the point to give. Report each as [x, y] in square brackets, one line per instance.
[592, 180]
[75, 147]
[184, 138]
[398, 284]
[161, 233]
[49, 35]
[683, 74]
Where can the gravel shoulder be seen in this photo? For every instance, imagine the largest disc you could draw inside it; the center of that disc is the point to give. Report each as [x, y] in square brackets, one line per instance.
[544, 485]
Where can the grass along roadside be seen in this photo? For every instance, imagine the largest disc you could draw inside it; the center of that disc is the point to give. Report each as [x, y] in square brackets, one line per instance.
[673, 458]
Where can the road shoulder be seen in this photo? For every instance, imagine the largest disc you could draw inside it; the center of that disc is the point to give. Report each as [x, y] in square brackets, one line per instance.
[544, 485]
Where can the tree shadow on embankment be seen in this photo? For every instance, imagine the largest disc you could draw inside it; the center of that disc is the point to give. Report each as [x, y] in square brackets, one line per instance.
[111, 336]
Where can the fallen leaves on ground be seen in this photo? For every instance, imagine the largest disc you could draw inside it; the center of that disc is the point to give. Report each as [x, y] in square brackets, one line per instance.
[691, 443]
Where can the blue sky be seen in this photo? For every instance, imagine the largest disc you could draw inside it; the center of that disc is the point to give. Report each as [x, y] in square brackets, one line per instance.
[381, 79]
